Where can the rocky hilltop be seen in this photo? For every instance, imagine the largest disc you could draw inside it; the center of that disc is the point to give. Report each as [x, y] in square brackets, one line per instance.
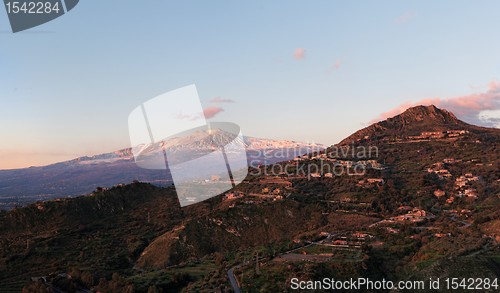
[414, 122]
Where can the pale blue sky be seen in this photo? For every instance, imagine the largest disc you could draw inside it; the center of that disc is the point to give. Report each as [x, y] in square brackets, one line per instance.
[68, 86]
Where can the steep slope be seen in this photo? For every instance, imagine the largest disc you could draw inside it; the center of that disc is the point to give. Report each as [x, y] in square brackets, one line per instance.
[106, 230]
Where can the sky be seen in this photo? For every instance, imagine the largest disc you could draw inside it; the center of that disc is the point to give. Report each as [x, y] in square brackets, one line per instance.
[305, 71]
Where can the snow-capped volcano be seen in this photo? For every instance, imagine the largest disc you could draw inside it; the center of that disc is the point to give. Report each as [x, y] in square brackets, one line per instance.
[84, 174]
[203, 141]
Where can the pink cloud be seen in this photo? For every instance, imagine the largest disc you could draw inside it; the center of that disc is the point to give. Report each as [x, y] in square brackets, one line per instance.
[211, 112]
[299, 54]
[406, 17]
[493, 85]
[467, 108]
[220, 100]
[335, 66]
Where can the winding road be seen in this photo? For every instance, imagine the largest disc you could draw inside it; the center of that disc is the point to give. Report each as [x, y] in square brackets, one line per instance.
[233, 280]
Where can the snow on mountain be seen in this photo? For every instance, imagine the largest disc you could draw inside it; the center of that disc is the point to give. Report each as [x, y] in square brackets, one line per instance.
[83, 175]
[204, 141]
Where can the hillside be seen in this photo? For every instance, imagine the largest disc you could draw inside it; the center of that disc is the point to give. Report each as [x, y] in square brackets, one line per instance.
[425, 205]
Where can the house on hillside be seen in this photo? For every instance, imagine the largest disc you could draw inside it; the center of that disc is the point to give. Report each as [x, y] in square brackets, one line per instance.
[432, 134]
[233, 195]
[375, 180]
[439, 193]
[471, 192]
[276, 181]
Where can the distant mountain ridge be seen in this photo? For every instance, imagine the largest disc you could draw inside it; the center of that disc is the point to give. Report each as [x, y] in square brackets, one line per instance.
[198, 141]
[84, 174]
